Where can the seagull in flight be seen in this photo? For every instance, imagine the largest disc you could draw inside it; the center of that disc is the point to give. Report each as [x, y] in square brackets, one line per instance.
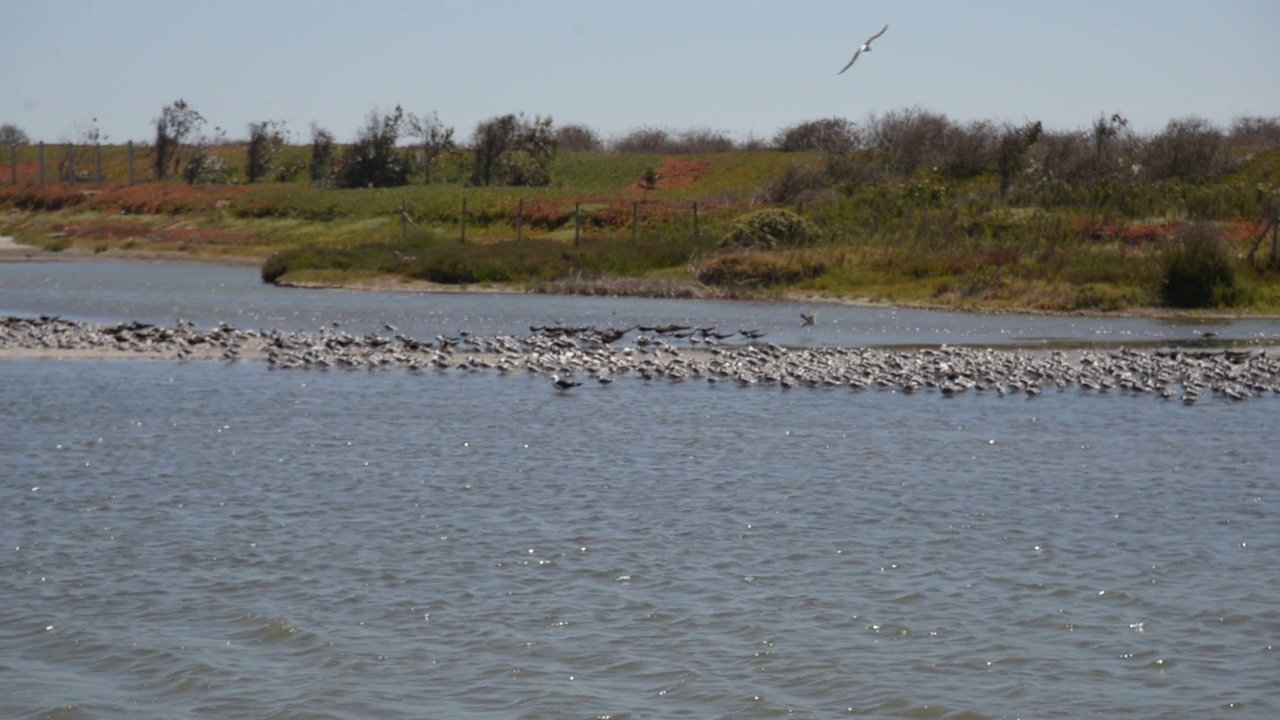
[866, 47]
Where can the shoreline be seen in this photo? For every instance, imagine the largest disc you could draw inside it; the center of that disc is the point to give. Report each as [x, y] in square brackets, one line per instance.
[570, 356]
[13, 252]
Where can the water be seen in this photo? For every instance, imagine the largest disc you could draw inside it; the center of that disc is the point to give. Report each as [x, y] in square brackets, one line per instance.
[224, 540]
[110, 292]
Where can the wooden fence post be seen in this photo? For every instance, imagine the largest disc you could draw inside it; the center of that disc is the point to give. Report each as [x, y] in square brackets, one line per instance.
[41, 162]
[462, 240]
[13, 162]
[520, 220]
[695, 221]
[131, 175]
[635, 222]
[577, 225]
[97, 158]
[71, 163]
[404, 220]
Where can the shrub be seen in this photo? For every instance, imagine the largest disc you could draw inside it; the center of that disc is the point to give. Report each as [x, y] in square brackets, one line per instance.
[823, 134]
[768, 229]
[374, 161]
[513, 150]
[797, 182]
[650, 140]
[1197, 272]
[11, 134]
[759, 268]
[323, 154]
[578, 138]
[1189, 149]
[177, 123]
[266, 140]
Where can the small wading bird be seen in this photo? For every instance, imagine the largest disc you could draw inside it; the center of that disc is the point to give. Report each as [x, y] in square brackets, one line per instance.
[809, 318]
[563, 384]
[866, 47]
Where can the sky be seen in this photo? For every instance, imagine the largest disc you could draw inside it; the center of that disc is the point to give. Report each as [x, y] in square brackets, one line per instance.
[743, 67]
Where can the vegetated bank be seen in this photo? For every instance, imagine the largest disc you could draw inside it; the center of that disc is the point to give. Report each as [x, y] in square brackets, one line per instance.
[909, 207]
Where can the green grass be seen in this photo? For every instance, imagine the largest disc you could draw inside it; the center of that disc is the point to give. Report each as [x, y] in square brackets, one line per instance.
[926, 239]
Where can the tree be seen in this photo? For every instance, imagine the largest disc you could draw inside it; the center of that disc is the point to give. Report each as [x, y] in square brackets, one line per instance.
[11, 134]
[177, 123]
[323, 155]
[435, 141]
[266, 140]
[373, 160]
[513, 150]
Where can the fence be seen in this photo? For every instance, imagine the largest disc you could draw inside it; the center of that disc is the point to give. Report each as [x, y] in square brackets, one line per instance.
[67, 171]
[406, 222]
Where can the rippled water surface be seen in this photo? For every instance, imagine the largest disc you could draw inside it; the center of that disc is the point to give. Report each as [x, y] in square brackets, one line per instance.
[225, 540]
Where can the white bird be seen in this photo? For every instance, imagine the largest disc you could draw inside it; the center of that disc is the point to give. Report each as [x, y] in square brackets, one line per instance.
[866, 47]
[563, 384]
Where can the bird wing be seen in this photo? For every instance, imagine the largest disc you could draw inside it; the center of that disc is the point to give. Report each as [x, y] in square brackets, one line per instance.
[873, 37]
[851, 61]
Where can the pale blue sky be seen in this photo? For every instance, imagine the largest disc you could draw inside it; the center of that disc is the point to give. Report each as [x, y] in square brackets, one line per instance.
[740, 66]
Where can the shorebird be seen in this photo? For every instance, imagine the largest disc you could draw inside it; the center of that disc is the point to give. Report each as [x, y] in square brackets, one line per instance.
[563, 384]
[809, 318]
[866, 47]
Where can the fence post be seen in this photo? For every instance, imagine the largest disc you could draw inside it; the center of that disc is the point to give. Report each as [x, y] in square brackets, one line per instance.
[404, 220]
[131, 176]
[577, 225]
[635, 222]
[13, 162]
[695, 221]
[71, 163]
[97, 155]
[41, 162]
[462, 240]
[520, 220]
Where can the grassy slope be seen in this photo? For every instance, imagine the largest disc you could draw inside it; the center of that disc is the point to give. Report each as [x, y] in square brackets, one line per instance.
[924, 241]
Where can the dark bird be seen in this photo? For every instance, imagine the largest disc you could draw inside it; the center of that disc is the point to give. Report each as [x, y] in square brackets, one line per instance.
[866, 47]
[809, 318]
[563, 384]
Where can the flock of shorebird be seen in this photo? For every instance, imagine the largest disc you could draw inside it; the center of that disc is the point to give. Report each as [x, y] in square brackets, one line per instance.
[572, 355]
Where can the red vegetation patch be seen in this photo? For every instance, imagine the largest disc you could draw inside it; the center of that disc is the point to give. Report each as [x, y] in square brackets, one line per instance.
[674, 174]
[1134, 235]
[149, 199]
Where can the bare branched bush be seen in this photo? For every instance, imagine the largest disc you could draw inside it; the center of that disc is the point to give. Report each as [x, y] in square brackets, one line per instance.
[909, 140]
[798, 182]
[822, 135]
[651, 140]
[1255, 134]
[702, 140]
[1015, 143]
[1188, 149]
[1107, 151]
[968, 150]
[578, 138]
[11, 134]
